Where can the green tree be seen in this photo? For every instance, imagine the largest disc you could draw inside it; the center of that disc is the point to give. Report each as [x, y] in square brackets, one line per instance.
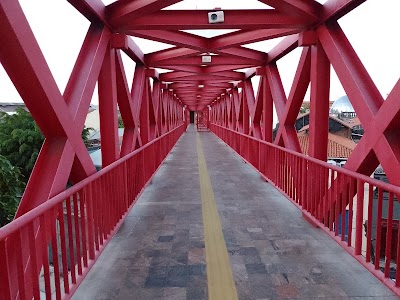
[21, 140]
[10, 188]
[120, 122]
[303, 110]
[86, 134]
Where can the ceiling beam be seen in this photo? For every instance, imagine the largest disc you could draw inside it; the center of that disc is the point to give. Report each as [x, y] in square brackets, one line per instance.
[258, 56]
[309, 9]
[172, 53]
[93, 10]
[335, 9]
[216, 60]
[177, 38]
[123, 11]
[125, 43]
[198, 19]
[184, 76]
[246, 37]
[287, 45]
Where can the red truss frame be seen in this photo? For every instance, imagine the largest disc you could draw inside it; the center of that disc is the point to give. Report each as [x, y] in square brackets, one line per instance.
[192, 83]
[159, 103]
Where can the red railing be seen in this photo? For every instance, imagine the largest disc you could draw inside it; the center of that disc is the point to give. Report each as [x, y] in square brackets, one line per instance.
[356, 210]
[57, 243]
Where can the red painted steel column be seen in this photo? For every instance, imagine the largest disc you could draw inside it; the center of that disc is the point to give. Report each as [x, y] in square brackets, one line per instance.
[245, 112]
[153, 103]
[126, 109]
[144, 113]
[278, 96]
[233, 111]
[108, 110]
[268, 110]
[319, 104]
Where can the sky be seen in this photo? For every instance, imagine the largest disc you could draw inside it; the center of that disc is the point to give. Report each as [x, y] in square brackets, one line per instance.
[373, 29]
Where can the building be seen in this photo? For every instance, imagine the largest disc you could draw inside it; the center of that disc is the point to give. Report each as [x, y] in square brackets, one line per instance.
[11, 107]
[344, 130]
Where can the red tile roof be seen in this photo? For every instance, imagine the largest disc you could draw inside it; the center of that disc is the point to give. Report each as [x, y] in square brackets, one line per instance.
[338, 146]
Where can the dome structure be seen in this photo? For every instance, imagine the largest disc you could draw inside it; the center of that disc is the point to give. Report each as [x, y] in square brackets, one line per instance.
[341, 105]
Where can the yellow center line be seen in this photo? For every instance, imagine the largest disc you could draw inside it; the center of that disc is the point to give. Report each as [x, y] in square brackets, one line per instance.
[221, 285]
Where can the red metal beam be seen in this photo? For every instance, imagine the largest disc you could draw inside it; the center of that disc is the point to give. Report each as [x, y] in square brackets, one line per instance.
[126, 109]
[125, 43]
[361, 90]
[296, 96]
[93, 10]
[268, 110]
[192, 41]
[246, 37]
[152, 59]
[204, 78]
[184, 76]
[287, 45]
[307, 8]
[171, 76]
[123, 11]
[108, 110]
[289, 139]
[368, 103]
[187, 69]
[198, 19]
[206, 83]
[255, 55]
[223, 60]
[24, 62]
[144, 113]
[335, 9]
[177, 38]
[319, 104]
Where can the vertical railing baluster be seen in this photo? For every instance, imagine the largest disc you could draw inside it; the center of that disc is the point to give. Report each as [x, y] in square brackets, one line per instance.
[389, 230]
[77, 233]
[369, 221]
[378, 229]
[5, 290]
[63, 249]
[34, 277]
[54, 251]
[359, 216]
[45, 258]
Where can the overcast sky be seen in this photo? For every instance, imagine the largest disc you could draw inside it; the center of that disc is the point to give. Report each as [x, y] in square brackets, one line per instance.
[373, 28]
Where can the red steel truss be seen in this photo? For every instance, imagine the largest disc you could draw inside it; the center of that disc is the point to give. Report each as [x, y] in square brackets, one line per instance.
[155, 108]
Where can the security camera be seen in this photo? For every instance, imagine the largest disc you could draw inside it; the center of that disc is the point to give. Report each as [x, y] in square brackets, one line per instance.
[216, 17]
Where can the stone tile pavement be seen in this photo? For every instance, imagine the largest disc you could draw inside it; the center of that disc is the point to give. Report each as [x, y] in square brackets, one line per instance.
[159, 252]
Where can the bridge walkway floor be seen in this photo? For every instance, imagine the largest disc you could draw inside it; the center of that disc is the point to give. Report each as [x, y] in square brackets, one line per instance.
[273, 252]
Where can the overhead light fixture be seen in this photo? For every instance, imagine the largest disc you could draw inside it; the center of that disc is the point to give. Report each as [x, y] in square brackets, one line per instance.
[201, 86]
[198, 96]
[206, 59]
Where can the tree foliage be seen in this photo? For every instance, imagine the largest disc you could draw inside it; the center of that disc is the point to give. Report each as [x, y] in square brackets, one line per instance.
[20, 140]
[86, 134]
[20, 144]
[10, 188]
[120, 122]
